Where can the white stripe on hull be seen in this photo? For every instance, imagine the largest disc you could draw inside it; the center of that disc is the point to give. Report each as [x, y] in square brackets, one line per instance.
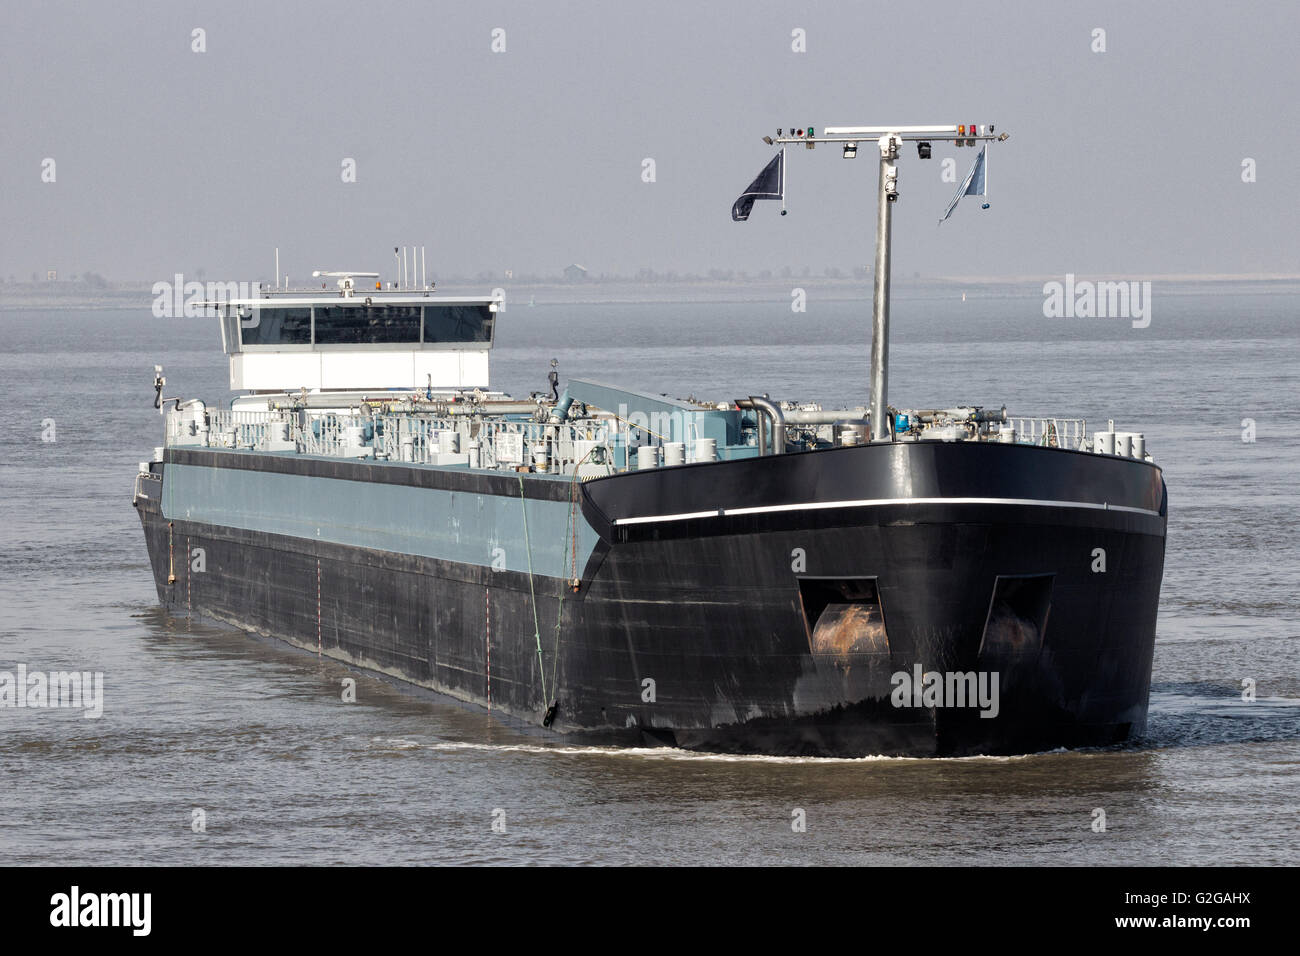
[880, 502]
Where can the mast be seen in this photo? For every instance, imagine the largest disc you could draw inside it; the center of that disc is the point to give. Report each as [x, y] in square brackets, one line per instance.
[880, 430]
[890, 138]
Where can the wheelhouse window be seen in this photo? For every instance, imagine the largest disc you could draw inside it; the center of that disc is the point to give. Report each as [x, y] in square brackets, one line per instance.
[380, 324]
[267, 326]
[457, 323]
[368, 325]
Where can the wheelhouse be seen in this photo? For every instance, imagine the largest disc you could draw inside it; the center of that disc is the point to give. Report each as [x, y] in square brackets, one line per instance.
[379, 341]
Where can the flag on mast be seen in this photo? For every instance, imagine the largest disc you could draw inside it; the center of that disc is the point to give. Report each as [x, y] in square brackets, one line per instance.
[769, 184]
[975, 184]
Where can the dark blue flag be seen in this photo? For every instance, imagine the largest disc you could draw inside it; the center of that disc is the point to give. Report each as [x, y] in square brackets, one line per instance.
[770, 184]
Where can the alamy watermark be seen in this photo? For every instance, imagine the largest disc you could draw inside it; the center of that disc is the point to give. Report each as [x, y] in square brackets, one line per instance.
[127, 910]
[946, 689]
[196, 300]
[1085, 299]
[78, 690]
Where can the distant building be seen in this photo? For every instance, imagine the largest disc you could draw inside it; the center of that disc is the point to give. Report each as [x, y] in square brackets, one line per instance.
[575, 272]
[51, 276]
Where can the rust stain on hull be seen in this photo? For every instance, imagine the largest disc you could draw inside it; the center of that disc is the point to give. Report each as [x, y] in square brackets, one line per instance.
[845, 632]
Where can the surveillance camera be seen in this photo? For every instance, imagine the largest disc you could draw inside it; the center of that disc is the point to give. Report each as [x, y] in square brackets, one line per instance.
[892, 197]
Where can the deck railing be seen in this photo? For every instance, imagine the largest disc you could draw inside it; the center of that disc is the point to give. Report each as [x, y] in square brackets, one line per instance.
[1071, 433]
[416, 438]
[480, 442]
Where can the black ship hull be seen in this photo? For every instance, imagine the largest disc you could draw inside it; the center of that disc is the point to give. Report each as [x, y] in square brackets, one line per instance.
[909, 598]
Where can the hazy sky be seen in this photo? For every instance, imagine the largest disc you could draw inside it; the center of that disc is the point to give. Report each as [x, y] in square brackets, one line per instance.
[1126, 162]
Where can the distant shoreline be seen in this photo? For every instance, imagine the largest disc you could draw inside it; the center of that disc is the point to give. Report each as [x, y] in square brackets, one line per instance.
[131, 296]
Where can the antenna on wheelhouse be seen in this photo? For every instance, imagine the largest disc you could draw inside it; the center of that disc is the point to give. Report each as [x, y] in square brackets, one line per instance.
[889, 139]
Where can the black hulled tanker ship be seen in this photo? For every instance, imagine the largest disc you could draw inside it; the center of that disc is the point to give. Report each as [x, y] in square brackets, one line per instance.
[752, 576]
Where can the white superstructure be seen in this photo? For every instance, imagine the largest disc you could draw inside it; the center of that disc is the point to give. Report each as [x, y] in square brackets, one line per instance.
[356, 339]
